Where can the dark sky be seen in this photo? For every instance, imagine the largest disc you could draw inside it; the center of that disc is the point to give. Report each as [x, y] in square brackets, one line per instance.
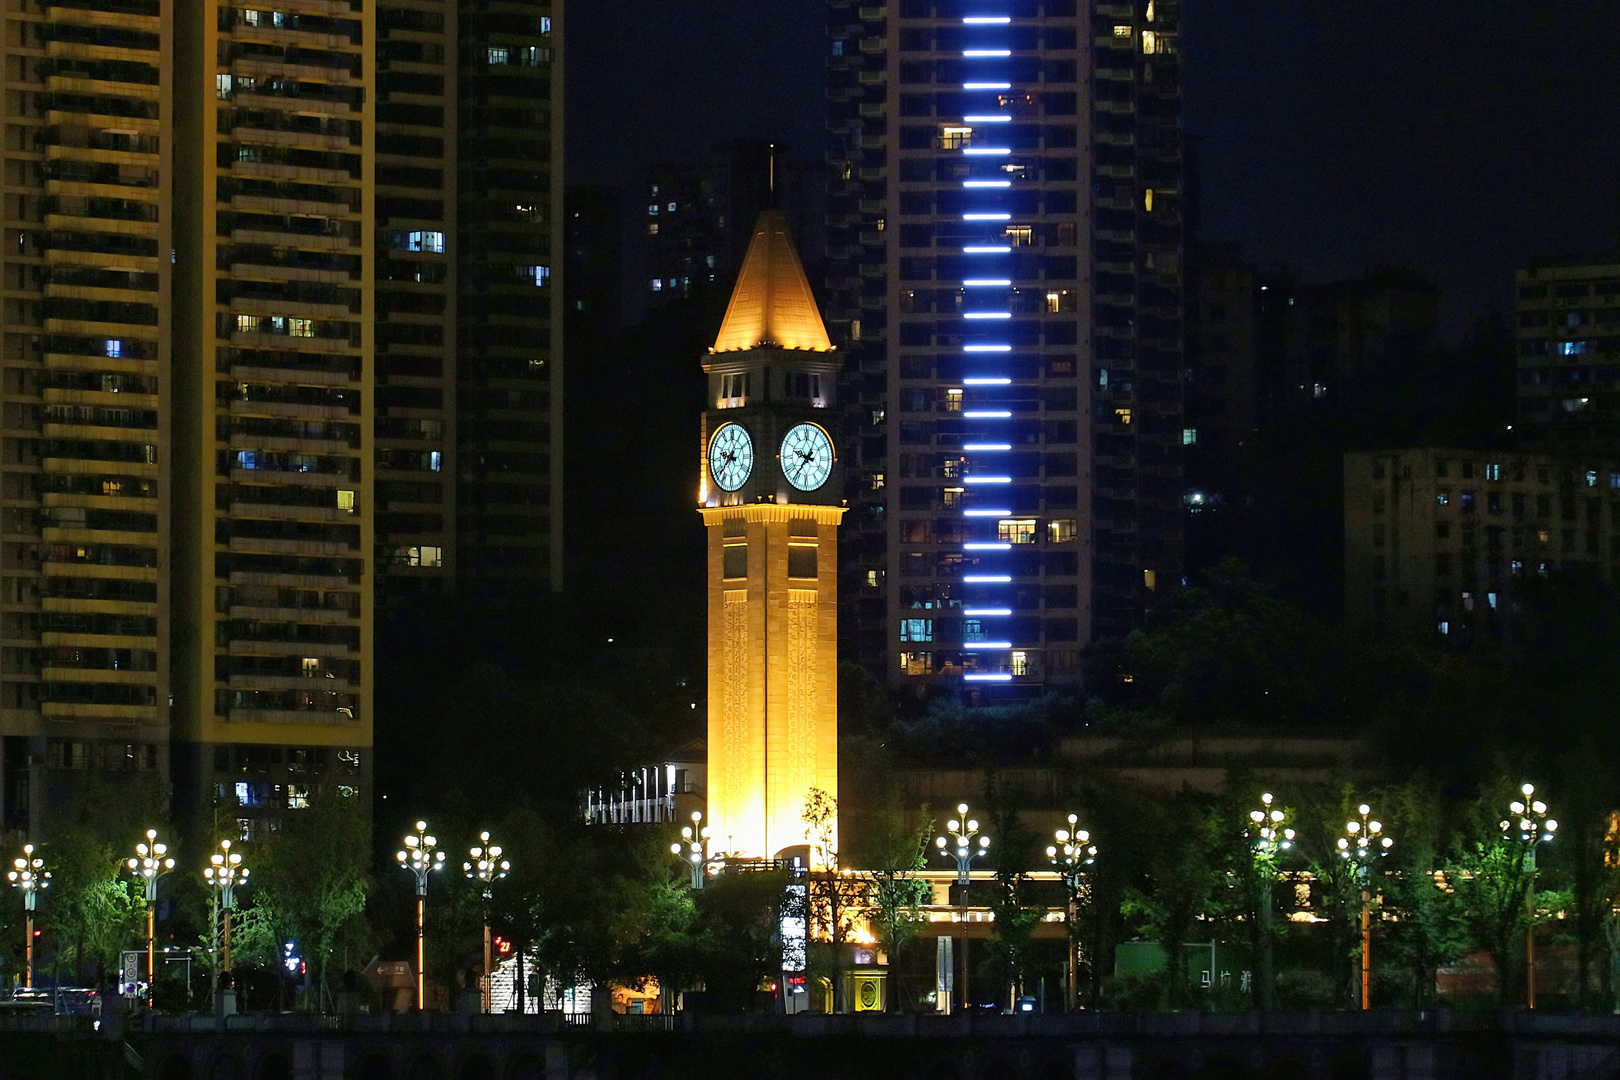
[1457, 137]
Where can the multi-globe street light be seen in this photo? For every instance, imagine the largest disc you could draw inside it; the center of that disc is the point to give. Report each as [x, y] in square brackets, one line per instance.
[1530, 827]
[30, 876]
[1070, 856]
[1269, 836]
[485, 866]
[962, 848]
[1362, 844]
[223, 874]
[421, 857]
[694, 839]
[151, 862]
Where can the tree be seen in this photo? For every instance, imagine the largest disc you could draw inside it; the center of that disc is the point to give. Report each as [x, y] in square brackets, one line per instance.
[1427, 929]
[1015, 916]
[895, 894]
[1492, 874]
[1185, 870]
[835, 898]
[92, 909]
[309, 886]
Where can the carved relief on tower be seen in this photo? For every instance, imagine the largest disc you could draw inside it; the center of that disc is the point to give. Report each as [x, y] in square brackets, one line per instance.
[803, 610]
[732, 753]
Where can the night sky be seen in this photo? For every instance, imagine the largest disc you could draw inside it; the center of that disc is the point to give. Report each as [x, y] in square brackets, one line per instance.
[1456, 137]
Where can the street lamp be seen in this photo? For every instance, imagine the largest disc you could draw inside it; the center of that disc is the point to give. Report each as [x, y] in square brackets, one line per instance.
[1363, 842]
[1070, 856]
[30, 876]
[486, 866]
[1269, 837]
[421, 859]
[151, 862]
[694, 837]
[1531, 827]
[224, 873]
[961, 847]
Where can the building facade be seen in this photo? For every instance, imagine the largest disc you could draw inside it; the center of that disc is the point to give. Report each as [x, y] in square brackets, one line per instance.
[1437, 541]
[1569, 354]
[1005, 274]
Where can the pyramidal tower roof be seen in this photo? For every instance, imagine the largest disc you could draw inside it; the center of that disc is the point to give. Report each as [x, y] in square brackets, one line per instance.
[772, 303]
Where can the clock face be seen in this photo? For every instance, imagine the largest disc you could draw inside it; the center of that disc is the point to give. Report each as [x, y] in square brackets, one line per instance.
[807, 457]
[731, 457]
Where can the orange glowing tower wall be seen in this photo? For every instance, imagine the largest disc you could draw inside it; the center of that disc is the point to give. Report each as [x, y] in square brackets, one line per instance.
[770, 502]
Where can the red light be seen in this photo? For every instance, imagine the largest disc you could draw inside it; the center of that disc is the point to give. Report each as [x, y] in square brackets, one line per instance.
[502, 946]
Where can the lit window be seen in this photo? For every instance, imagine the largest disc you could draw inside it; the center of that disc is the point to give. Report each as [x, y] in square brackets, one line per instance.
[114, 347]
[1122, 31]
[952, 496]
[1147, 200]
[953, 400]
[1061, 530]
[1054, 302]
[311, 667]
[874, 481]
[435, 461]
[955, 138]
[673, 207]
[301, 327]
[250, 17]
[1016, 530]
[916, 629]
[1123, 415]
[345, 501]
[1020, 235]
[916, 663]
[1319, 390]
[545, 24]
[652, 228]
[432, 556]
[297, 797]
[222, 86]
[1020, 662]
[1150, 42]
[1591, 478]
[247, 324]
[497, 55]
[535, 275]
[1189, 436]
[874, 579]
[652, 210]
[1442, 497]
[657, 284]
[417, 240]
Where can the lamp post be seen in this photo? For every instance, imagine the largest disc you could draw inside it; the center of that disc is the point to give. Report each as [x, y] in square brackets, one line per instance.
[421, 858]
[1362, 843]
[1531, 827]
[151, 862]
[1269, 837]
[961, 847]
[30, 876]
[485, 866]
[694, 838]
[1070, 856]
[224, 873]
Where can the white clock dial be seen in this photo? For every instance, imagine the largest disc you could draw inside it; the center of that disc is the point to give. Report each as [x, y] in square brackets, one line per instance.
[807, 457]
[731, 457]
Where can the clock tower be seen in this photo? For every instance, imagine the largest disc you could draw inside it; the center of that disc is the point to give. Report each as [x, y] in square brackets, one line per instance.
[769, 496]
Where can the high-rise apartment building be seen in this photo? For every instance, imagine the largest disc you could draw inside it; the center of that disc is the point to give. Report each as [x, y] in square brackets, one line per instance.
[229, 305]
[272, 389]
[1005, 252]
[1569, 354]
[85, 459]
[1438, 542]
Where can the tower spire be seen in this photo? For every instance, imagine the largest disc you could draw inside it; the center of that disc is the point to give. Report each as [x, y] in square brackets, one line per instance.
[772, 303]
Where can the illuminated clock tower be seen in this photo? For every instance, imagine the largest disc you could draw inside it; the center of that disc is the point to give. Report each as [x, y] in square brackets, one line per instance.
[770, 505]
